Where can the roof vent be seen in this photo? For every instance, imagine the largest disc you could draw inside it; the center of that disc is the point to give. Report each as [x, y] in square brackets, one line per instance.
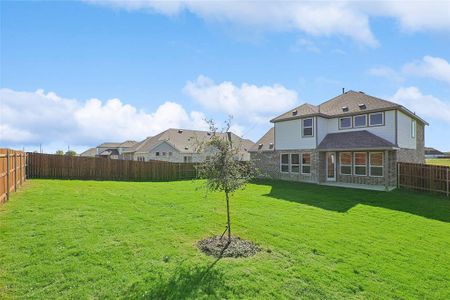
[271, 146]
[294, 112]
[180, 130]
[344, 108]
[185, 148]
[361, 92]
[362, 106]
[260, 146]
[208, 133]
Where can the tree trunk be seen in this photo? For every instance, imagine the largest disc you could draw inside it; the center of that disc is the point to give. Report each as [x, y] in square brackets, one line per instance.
[228, 217]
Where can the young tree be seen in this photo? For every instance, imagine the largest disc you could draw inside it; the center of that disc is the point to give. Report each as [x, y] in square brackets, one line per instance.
[223, 171]
[59, 152]
[71, 153]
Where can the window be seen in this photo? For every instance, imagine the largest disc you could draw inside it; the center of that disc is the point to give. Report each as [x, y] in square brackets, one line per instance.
[376, 119]
[376, 164]
[141, 158]
[295, 163]
[307, 127]
[164, 153]
[360, 121]
[360, 163]
[157, 153]
[345, 162]
[187, 159]
[413, 129]
[345, 123]
[285, 163]
[170, 153]
[306, 163]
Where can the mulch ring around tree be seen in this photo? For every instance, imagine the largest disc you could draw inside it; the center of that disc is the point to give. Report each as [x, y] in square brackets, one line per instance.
[237, 248]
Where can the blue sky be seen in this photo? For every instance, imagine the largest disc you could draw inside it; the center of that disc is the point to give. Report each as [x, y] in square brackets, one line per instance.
[80, 73]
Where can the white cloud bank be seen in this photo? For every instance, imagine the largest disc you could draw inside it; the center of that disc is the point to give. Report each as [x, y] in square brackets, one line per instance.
[426, 106]
[317, 18]
[436, 68]
[247, 103]
[28, 118]
[429, 66]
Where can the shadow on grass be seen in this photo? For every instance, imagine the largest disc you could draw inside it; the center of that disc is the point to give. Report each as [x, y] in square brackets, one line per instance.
[186, 282]
[430, 206]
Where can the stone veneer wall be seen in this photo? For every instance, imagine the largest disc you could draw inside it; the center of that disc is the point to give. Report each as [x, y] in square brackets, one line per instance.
[390, 171]
[268, 164]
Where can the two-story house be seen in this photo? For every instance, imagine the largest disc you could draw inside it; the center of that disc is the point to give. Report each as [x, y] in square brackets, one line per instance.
[182, 146]
[352, 139]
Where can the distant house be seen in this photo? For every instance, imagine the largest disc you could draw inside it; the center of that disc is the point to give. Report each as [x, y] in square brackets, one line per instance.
[433, 153]
[351, 139]
[91, 152]
[114, 150]
[181, 145]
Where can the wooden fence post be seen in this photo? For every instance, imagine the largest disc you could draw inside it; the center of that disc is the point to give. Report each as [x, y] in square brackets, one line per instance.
[448, 183]
[398, 175]
[7, 175]
[15, 172]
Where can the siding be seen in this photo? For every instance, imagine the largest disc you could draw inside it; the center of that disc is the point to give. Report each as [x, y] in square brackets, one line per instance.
[288, 135]
[386, 132]
[404, 131]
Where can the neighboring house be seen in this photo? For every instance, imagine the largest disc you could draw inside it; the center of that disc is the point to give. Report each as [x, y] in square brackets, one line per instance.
[351, 139]
[114, 150]
[91, 152]
[433, 153]
[181, 145]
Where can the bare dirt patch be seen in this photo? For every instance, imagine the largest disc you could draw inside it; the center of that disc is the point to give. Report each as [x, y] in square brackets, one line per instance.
[215, 245]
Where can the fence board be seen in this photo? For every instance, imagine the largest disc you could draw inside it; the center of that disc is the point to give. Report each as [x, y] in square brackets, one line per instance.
[12, 172]
[95, 168]
[423, 177]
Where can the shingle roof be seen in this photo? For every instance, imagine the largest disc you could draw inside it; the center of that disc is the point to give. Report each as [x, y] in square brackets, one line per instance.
[185, 140]
[432, 151]
[91, 152]
[354, 140]
[110, 152]
[266, 143]
[127, 144]
[108, 144]
[348, 103]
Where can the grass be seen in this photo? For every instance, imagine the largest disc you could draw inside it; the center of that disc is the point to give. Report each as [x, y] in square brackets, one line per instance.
[439, 161]
[87, 239]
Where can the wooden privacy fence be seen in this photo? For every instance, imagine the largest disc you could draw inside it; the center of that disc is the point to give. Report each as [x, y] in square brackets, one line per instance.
[95, 168]
[423, 177]
[12, 172]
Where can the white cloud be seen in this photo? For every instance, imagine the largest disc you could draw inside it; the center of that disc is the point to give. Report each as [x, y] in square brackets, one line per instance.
[386, 72]
[246, 102]
[314, 18]
[426, 106]
[432, 67]
[37, 117]
[317, 18]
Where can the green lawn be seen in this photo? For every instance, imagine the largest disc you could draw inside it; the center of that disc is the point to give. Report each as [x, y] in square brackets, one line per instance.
[439, 161]
[87, 239]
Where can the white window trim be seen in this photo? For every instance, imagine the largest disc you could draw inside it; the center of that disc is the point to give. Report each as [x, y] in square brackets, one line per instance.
[413, 129]
[382, 119]
[291, 164]
[288, 163]
[370, 164]
[351, 123]
[361, 126]
[355, 165]
[302, 164]
[312, 127]
[342, 165]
